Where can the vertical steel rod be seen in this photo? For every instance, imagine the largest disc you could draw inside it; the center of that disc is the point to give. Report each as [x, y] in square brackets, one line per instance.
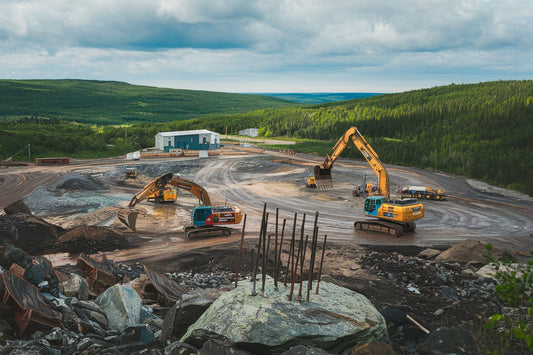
[321, 262]
[291, 251]
[300, 246]
[265, 268]
[276, 250]
[258, 252]
[312, 259]
[240, 252]
[276, 270]
[311, 263]
[302, 270]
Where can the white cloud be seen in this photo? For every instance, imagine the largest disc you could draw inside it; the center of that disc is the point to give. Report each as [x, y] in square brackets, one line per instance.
[308, 45]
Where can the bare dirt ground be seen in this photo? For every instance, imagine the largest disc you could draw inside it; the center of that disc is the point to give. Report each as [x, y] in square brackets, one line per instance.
[251, 177]
[90, 193]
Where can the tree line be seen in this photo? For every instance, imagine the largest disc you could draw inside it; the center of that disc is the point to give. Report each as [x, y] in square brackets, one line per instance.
[482, 131]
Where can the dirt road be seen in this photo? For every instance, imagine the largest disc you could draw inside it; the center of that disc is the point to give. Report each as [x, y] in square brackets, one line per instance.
[468, 212]
[472, 209]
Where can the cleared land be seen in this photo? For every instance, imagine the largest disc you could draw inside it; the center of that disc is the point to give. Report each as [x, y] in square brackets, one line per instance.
[251, 177]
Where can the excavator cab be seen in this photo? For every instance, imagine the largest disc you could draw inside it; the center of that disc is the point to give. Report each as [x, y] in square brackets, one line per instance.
[200, 216]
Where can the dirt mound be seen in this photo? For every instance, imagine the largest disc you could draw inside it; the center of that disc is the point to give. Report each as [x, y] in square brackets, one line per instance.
[78, 182]
[28, 232]
[90, 239]
[468, 251]
[17, 207]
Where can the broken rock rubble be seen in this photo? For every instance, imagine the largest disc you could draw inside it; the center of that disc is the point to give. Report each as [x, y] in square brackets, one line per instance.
[118, 320]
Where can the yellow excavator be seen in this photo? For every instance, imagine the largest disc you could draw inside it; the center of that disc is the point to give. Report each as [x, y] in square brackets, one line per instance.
[207, 220]
[393, 217]
[168, 194]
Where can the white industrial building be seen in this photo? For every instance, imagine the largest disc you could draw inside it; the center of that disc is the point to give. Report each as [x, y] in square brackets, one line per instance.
[200, 139]
[252, 132]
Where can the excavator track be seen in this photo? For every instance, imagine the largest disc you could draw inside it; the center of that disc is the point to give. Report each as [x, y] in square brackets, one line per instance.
[209, 231]
[393, 229]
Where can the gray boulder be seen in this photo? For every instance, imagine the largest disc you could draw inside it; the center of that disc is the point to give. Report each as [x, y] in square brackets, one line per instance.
[336, 320]
[122, 306]
[75, 286]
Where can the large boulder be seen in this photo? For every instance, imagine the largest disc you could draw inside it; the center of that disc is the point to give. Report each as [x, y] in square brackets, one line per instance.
[470, 250]
[335, 320]
[122, 306]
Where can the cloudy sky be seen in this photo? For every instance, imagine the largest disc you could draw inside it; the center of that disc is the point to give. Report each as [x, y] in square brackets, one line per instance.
[269, 45]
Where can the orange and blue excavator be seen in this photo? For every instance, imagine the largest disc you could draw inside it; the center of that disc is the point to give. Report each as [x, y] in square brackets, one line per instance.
[207, 220]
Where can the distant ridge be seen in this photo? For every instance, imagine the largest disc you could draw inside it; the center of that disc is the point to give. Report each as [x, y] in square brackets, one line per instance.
[112, 102]
[320, 97]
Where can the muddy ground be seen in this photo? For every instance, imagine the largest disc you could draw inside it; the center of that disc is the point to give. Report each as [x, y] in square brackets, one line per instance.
[90, 193]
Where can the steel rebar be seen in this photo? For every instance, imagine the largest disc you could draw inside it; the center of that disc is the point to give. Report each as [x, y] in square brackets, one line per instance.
[276, 270]
[263, 268]
[302, 270]
[265, 271]
[258, 252]
[276, 250]
[291, 251]
[240, 252]
[312, 263]
[321, 262]
[300, 246]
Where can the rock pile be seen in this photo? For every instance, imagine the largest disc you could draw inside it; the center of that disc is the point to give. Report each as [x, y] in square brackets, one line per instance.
[445, 286]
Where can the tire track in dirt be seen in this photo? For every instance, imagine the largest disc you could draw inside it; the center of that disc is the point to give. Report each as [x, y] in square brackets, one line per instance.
[484, 217]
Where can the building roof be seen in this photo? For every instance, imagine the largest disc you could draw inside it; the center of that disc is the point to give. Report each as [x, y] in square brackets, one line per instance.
[185, 133]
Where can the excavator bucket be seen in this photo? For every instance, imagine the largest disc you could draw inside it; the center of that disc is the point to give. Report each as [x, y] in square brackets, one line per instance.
[323, 178]
[128, 217]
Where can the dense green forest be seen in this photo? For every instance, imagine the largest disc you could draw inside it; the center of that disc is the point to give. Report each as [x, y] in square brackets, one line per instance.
[483, 131]
[110, 102]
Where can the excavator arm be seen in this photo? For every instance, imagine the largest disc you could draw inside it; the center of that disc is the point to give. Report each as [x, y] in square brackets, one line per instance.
[174, 180]
[129, 217]
[323, 171]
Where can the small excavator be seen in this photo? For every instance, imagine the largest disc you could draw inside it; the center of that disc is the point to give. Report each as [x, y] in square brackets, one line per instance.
[394, 217]
[207, 220]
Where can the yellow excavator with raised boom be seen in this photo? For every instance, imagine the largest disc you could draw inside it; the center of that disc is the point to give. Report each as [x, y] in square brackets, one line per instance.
[394, 217]
[207, 220]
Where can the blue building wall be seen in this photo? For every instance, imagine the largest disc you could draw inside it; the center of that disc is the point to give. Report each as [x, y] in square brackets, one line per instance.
[191, 142]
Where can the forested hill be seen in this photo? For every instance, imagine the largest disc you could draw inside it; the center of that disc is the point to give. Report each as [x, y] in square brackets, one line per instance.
[484, 130]
[110, 102]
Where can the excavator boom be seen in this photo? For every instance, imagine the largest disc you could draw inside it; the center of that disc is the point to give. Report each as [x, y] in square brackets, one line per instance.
[159, 183]
[393, 217]
[322, 172]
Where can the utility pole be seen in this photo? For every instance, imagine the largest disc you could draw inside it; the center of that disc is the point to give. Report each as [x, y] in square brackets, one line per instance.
[29, 152]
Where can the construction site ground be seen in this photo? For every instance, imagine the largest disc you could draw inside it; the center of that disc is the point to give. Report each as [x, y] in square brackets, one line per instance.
[90, 193]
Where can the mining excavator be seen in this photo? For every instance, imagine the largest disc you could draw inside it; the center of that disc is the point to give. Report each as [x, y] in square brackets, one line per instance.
[394, 217]
[207, 220]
